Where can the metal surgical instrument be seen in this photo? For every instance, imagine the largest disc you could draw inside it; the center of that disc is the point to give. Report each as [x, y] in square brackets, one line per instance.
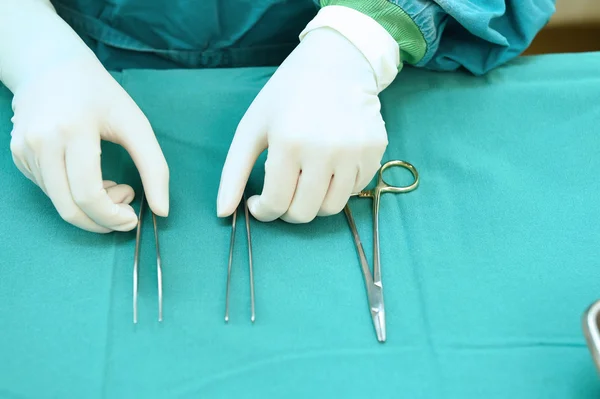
[249, 237]
[136, 261]
[373, 281]
[591, 330]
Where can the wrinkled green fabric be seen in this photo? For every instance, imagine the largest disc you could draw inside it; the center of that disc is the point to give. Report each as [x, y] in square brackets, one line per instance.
[411, 42]
[162, 34]
[487, 266]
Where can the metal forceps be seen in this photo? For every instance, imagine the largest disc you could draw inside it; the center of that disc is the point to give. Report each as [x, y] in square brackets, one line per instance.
[373, 281]
[136, 261]
[249, 237]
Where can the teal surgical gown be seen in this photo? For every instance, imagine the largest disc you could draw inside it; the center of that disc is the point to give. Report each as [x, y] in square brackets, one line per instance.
[477, 35]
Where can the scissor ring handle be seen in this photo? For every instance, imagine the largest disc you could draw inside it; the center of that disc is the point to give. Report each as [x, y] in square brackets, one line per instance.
[386, 187]
[591, 330]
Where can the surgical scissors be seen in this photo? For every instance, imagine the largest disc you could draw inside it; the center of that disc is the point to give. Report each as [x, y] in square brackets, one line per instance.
[250, 266]
[136, 261]
[373, 281]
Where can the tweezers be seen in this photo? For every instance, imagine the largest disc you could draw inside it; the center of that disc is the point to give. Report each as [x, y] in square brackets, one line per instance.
[250, 267]
[136, 261]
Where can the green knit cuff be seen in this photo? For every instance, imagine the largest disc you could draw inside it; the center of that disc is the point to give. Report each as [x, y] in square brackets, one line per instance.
[393, 19]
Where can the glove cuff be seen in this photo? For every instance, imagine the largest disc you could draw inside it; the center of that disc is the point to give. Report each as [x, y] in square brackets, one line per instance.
[367, 35]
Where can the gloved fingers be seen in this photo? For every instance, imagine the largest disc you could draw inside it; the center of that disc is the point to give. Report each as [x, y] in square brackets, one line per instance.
[370, 163]
[34, 167]
[366, 172]
[54, 174]
[26, 161]
[312, 187]
[281, 177]
[131, 129]
[249, 141]
[106, 184]
[82, 159]
[119, 193]
[340, 189]
[23, 168]
[18, 150]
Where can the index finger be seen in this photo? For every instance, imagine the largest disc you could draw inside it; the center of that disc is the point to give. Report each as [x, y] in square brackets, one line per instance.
[281, 178]
[131, 129]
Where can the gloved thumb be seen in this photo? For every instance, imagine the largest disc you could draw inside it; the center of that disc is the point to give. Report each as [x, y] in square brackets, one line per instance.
[249, 141]
[130, 128]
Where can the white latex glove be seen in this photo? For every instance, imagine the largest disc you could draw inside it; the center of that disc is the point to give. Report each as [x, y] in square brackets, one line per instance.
[319, 115]
[64, 105]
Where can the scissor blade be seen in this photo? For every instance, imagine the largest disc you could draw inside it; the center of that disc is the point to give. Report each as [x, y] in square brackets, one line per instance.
[374, 290]
[375, 293]
[364, 264]
[379, 323]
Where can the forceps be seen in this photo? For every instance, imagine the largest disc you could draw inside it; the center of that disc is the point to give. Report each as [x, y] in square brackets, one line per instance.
[249, 237]
[136, 261]
[373, 281]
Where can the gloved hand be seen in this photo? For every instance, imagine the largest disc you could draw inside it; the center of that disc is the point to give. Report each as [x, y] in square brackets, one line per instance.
[62, 110]
[319, 115]
[59, 120]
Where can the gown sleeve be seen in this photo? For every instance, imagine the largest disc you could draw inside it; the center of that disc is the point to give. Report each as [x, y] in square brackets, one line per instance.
[446, 35]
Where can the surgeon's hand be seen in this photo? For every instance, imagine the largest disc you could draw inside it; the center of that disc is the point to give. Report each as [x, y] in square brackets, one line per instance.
[60, 118]
[319, 115]
[64, 104]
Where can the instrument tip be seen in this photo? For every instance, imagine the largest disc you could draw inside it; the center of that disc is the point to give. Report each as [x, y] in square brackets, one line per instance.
[379, 321]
